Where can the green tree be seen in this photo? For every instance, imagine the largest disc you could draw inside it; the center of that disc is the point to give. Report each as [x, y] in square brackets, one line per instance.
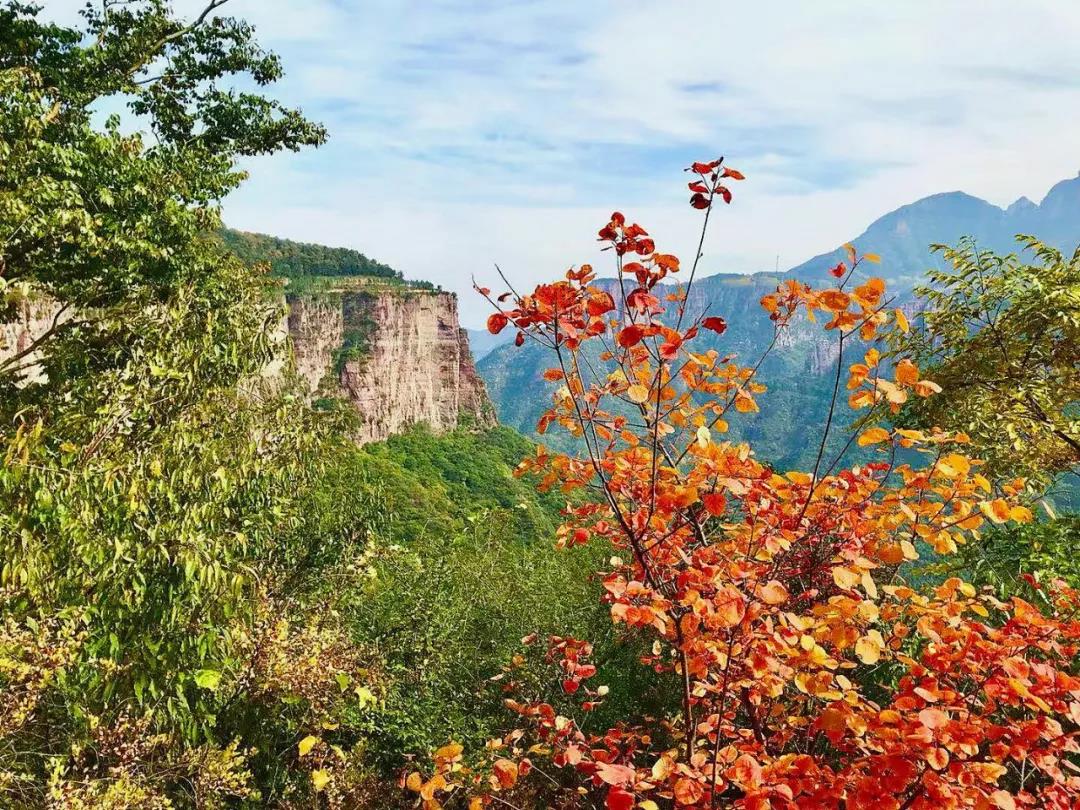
[151, 465]
[1001, 335]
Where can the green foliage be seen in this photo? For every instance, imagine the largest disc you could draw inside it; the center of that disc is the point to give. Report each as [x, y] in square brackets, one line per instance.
[459, 568]
[1001, 335]
[291, 259]
[149, 492]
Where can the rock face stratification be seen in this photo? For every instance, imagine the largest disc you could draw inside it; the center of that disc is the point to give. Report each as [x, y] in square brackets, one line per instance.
[400, 357]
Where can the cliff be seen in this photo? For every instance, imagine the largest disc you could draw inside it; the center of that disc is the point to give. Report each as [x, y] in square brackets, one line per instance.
[399, 356]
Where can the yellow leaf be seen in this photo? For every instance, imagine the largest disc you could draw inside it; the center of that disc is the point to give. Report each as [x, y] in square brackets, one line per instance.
[703, 436]
[874, 435]
[902, 321]
[869, 647]
[649, 804]
[954, 465]
[307, 744]
[638, 393]
[1021, 514]
[451, 751]
[869, 586]
[414, 782]
[845, 578]
[872, 257]
[320, 779]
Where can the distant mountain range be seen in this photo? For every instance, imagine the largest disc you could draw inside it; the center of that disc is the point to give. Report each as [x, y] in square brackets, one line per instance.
[902, 237]
[785, 431]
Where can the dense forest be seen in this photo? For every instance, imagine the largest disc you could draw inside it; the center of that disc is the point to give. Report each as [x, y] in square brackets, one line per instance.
[290, 259]
[210, 597]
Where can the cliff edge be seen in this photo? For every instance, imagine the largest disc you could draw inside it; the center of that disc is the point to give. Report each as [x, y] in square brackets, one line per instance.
[400, 357]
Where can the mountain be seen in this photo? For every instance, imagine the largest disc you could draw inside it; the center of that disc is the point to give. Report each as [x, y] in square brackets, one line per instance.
[902, 237]
[482, 342]
[797, 371]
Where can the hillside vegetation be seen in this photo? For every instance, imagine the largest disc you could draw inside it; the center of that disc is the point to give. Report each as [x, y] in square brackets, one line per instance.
[291, 259]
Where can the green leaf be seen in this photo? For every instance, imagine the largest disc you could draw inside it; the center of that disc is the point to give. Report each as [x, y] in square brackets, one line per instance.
[207, 678]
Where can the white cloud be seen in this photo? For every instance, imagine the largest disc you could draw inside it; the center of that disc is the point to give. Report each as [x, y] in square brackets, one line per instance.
[465, 133]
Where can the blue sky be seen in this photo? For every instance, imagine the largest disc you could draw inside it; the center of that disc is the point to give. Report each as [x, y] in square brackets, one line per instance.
[469, 133]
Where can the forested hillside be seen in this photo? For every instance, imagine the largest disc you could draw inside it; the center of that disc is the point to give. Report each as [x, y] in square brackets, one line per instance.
[291, 259]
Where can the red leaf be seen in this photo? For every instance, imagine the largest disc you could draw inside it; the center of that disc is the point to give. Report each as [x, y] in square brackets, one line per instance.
[520, 339]
[705, 168]
[630, 335]
[570, 686]
[715, 502]
[724, 192]
[839, 270]
[699, 201]
[670, 349]
[733, 174]
[496, 322]
[599, 304]
[699, 187]
[716, 324]
[619, 799]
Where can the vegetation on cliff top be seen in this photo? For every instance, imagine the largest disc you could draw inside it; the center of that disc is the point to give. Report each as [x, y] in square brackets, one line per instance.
[311, 268]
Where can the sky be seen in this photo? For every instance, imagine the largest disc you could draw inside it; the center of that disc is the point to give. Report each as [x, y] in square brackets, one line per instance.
[469, 133]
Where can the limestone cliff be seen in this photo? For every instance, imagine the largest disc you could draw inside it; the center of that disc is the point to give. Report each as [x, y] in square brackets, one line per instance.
[399, 356]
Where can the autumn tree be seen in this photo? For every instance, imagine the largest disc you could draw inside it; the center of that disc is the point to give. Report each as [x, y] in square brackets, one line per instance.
[811, 672]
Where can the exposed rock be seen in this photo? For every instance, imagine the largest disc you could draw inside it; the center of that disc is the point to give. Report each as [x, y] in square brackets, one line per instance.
[400, 357]
[33, 319]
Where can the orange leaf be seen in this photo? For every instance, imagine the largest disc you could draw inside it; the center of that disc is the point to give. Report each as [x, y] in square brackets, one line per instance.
[835, 300]
[773, 593]
[874, 435]
[687, 791]
[933, 718]
[744, 403]
[615, 774]
[506, 772]
[907, 372]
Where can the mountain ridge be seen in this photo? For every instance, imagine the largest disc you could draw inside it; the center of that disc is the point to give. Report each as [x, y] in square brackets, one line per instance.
[796, 370]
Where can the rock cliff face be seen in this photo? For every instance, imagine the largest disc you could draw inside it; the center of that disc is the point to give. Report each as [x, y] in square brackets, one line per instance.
[400, 357]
